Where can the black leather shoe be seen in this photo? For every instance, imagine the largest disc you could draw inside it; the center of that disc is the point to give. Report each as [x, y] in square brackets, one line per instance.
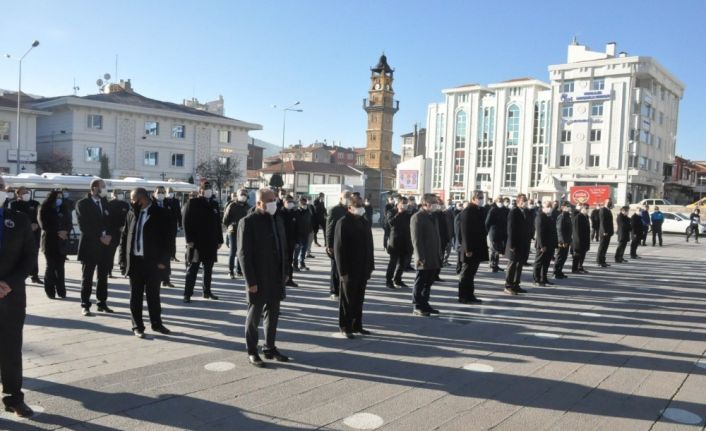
[347, 334]
[390, 285]
[138, 333]
[105, 309]
[276, 355]
[510, 290]
[291, 283]
[401, 284]
[256, 361]
[548, 283]
[518, 289]
[187, 300]
[231, 275]
[363, 332]
[583, 271]
[37, 280]
[239, 273]
[433, 311]
[161, 329]
[418, 312]
[22, 410]
[167, 284]
[210, 296]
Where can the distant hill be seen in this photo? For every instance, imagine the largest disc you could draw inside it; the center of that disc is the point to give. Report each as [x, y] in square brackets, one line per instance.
[269, 149]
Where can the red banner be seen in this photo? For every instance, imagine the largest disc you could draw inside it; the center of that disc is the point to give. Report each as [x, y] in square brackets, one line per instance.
[590, 195]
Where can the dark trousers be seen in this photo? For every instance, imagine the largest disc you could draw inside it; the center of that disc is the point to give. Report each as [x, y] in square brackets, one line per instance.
[54, 279]
[514, 273]
[561, 256]
[645, 231]
[620, 251]
[12, 318]
[422, 288]
[166, 273]
[466, 285]
[335, 280]
[395, 267]
[350, 305]
[542, 261]
[595, 234]
[290, 262]
[494, 259]
[191, 274]
[636, 240]
[693, 230]
[252, 323]
[88, 269]
[602, 249]
[300, 249]
[34, 272]
[144, 281]
[113, 248]
[172, 243]
[385, 236]
[577, 260]
[656, 233]
[233, 262]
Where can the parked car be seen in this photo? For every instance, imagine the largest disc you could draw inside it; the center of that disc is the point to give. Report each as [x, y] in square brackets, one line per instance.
[677, 223]
[650, 202]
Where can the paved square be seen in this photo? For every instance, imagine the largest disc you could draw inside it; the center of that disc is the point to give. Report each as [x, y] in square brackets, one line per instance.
[609, 350]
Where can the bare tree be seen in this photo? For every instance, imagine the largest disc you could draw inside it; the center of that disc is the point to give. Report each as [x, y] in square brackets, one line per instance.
[58, 162]
[223, 172]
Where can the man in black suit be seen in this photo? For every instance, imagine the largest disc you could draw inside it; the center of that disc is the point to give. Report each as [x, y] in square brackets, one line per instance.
[564, 230]
[624, 230]
[202, 228]
[94, 251]
[580, 238]
[545, 243]
[25, 204]
[334, 215]
[172, 203]
[596, 222]
[605, 232]
[17, 257]
[496, 226]
[517, 246]
[399, 243]
[144, 254]
[638, 233]
[353, 250]
[234, 212]
[262, 248]
[319, 217]
[118, 208]
[159, 198]
[473, 248]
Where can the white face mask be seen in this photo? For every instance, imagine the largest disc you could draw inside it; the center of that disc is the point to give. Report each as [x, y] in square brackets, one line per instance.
[359, 211]
[290, 205]
[547, 210]
[304, 206]
[271, 207]
[66, 195]
[404, 207]
[208, 193]
[584, 211]
[499, 204]
[26, 197]
[481, 202]
[160, 196]
[436, 207]
[3, 197]
[345, 202]
[242, 198]
[103, 193]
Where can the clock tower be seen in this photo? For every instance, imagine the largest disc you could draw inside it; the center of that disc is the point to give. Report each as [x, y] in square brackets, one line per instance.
[381, 108]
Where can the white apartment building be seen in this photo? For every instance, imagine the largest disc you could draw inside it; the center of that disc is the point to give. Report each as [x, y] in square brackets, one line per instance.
[8, 135]
[141, 137]
[605, 119]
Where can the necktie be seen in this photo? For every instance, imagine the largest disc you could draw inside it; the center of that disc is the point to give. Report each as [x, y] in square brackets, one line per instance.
[138, 237]
[100, 207]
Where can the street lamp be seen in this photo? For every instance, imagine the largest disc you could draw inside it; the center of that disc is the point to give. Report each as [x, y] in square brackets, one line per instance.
[284, 127]
[19, 95]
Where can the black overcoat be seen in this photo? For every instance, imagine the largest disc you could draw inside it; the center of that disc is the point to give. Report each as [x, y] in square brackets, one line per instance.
[353, 248]
[581, 233]
[473, 234]
[518, 242]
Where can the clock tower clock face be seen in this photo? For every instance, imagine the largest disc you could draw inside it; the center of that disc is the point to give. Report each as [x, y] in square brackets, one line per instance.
[377, 86]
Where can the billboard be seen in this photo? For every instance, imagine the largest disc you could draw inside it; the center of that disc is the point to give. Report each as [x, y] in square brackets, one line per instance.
[408, 179]
[590, 195]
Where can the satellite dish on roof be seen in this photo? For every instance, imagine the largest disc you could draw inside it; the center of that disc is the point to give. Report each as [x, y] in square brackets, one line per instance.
[106, 76]
[99, 82]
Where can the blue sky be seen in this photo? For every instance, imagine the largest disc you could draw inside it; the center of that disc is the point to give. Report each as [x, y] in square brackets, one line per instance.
[261, 53]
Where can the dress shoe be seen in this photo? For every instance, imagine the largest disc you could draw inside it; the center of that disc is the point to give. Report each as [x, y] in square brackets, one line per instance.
[583, 271]
[472, 300]
[518, 289]
[548, 283]
[239, 273]
[139, 333]
[51, 296]
[540, 284]
[22, 410]
[256, 361]
[310, 256]
[347, 334]
[210, 296]
[231, 275]
[400, 284]
[111, 276]
[363, 332]
[494, 270]
[304, 267]
[36, 279]
[161, 329]
[390, 285]
[291, 283]
[105, 309]
[62, 295]
[560, 276]
[174, 259]
[187, 300]
[604, 265]
[575, 271]
[418, 312]
[439, 280]
[276, 355]
[433, 311]
[510, 290]
[86, 312]
[295, 268]
[334, 297]
[167, 284]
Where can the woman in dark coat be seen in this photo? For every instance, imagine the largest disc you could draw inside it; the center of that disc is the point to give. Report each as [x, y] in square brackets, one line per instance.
[580, 239]
[399, 244]
[55, 221]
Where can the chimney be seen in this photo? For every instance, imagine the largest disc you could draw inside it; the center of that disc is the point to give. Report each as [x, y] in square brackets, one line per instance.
[610, 49]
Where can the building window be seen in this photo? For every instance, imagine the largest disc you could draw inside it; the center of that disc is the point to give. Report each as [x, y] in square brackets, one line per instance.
[595, 135]
[567, 111]
[539, 144]
[302, 180]
[151, 128]
[632, 161]
[642, 162]
[597, 109]
[661, 118]
[319, 179]
[224, 161]
[179, 131]
[510, 167]
[659, 142]
[4, 130]
[564, 160]
[438, 166]
[567, 87]
[598, 84]
[334, 179]
[224, 136]
[646, 110]
[178, 160]
[594, 161]
[93, 154]
[458, 196]
[513, 125]
[95, 121]
[460, 149]
[486, 131]
[462, 98]
[566, 136]
[151, 158]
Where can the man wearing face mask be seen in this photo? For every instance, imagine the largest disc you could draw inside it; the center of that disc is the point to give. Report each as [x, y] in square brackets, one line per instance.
[17, 254]
[159, 197]
[531, 212]
[564, 232]
[262, 252]
[638, 233]
[399, 245]
[304, 230]
[605, 232]
[145, 255]
[288, 215]
[118, 208]
[624, 231]
[595, 222]
[94, 247]
[580, 238]
[335, 214]
[473, 249]
[517, 246]
[25, 204]
[174, 207]
[496, 226]
[445, 234]
[353, 250]
[202, 228]
[390, 210]
[236, 210]
[427, 254]
[545, 243]
[67, 201]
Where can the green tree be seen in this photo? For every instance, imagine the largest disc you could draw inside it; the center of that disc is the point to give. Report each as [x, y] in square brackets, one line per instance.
[105, 167]
[276, 181]
[222, 172]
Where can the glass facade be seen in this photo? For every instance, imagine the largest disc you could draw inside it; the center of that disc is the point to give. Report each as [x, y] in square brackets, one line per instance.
[540, 148]
[512, 137]
[438, 152]
[486, 131]
[459, 149]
